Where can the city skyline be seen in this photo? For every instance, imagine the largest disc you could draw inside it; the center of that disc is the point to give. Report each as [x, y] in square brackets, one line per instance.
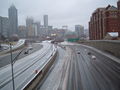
[67, 12]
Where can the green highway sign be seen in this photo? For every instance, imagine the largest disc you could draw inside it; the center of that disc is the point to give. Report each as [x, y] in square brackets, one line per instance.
[72, 39]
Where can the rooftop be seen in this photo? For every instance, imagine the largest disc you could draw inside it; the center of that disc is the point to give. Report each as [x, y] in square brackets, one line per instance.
[109, 7]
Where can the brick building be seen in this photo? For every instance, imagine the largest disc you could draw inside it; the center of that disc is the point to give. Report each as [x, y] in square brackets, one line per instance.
[104, 20]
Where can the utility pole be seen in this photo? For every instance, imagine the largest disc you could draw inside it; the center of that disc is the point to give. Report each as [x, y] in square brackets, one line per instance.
[12, 67]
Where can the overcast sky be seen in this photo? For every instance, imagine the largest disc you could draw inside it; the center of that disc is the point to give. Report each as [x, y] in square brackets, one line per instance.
[60, 12]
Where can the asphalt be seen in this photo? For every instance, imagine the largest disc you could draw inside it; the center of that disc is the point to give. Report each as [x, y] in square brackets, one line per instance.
[79, 71]
[52, 79]
[24, 69]
[5, 59]
[85, 73]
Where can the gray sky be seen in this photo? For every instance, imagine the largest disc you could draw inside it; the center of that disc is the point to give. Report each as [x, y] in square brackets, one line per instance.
[60, 12]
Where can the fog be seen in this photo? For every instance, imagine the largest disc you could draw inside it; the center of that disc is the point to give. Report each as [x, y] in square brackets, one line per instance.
[60, 12]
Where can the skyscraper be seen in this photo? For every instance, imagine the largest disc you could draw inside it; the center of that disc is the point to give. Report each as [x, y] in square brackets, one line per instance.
[13, 18]
[4, 26]
[37, 25]
[46, 21]
[30, 27]
[79, 31]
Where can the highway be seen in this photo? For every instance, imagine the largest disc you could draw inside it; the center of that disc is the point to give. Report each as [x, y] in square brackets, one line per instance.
[80, 71]
[52, 79]
[24, 69]
[5, 59]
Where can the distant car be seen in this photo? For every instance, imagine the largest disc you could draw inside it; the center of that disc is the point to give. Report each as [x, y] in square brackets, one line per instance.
[30, 48]
[26, 52]
[52, 41]
[78, 52]
[89, 53]
[93, 57]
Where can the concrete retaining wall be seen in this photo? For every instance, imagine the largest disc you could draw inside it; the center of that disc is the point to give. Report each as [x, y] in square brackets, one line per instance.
[111, 47]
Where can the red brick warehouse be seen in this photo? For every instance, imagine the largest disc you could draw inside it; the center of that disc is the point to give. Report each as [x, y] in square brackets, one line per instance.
[104, 20]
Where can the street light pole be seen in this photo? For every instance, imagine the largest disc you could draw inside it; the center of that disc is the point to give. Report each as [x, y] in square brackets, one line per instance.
[12, 67]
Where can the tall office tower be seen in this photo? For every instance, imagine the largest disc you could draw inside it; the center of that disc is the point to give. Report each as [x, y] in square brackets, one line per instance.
[79, 31]
[30, 27]
[46, 21]
[38, 28]
[4, 26]
[13, 18]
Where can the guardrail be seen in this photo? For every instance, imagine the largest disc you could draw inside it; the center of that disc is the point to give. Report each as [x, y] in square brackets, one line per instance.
[41, 73]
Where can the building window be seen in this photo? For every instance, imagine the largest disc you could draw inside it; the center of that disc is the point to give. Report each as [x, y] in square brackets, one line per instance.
[113, 14]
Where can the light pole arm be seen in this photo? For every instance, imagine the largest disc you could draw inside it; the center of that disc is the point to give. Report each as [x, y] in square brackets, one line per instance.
[17, 56]
[12, 62]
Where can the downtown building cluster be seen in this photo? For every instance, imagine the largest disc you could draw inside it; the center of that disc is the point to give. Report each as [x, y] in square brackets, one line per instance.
[32, 30]
[103, 21]
[9, 26]
[35, 29]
